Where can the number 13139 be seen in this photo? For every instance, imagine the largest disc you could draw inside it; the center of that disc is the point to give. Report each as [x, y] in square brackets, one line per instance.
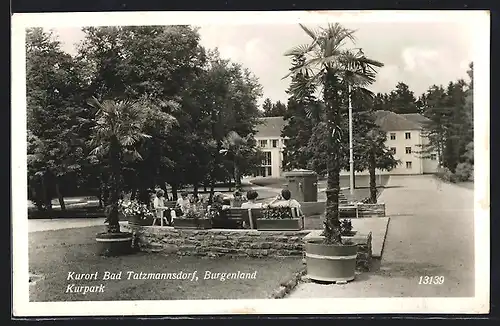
[437, 280]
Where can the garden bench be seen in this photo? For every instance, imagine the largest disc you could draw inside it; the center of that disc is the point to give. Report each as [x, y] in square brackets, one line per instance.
[349, 207]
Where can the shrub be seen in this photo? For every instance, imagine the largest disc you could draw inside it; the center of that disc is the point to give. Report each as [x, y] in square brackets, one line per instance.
[464, 171]
[345, 227]
[446, 175]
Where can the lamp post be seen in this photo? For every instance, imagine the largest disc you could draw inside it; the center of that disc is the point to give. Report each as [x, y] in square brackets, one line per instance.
[351, 150]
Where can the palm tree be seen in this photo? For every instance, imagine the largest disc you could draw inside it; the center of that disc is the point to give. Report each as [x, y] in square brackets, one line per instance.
[379, 157]
[336, 70]
[117, 131]
[233, 146]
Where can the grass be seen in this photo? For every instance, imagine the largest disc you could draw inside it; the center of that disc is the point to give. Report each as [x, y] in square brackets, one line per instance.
[53, 254]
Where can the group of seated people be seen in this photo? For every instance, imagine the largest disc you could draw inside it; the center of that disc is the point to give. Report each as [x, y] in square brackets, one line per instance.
[220, 203]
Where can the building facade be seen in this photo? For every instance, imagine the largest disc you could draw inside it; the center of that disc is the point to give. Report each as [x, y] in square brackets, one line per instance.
[404, 138]
[271, 144]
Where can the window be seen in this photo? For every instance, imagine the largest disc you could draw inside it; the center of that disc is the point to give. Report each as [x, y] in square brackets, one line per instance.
[261, 172]
[407, 135]
[263, 143]
[433, 157]
[393, 150]
[275, 143]
[393, 136]
[408, 165]
[408, 150]
[267, 158]
[269, 171]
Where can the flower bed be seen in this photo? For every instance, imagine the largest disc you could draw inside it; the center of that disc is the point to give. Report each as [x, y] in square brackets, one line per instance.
[195, 218]
[279, 218]
[136, 213]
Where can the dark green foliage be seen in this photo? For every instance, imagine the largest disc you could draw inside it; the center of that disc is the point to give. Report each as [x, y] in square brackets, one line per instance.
[451, 127]
[188, 100]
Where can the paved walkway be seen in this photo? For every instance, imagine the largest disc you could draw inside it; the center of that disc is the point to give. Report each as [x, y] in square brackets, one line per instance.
[431, 233]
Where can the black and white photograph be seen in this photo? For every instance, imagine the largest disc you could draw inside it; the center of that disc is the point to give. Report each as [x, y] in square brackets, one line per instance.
[178, 163]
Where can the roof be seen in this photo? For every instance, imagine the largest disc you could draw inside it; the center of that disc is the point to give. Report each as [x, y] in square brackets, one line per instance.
[386, 120]
[270, 127]
[390, 121]
[415, 117]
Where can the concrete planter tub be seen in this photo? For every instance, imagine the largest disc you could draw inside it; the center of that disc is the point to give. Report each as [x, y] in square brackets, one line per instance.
[330, 263]
[114, 244]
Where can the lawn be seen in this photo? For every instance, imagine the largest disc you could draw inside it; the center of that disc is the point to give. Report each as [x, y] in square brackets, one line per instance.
[54, 254]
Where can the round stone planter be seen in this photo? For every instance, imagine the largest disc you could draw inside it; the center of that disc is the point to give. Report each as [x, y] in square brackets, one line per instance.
[330, 263]
[114, 244]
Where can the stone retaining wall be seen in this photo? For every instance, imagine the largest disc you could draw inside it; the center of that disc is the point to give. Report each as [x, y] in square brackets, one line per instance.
[220, 242]
[238, 243]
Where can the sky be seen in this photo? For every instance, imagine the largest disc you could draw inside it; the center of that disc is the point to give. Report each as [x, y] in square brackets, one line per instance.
[419, 54]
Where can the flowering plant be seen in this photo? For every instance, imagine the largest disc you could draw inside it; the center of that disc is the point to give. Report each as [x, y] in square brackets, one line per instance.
[277, 213]
[134, 208]
[211, 214]
[195, 211]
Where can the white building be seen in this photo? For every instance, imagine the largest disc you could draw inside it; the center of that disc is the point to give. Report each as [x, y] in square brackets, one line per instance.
[404, 137]
[270, 142]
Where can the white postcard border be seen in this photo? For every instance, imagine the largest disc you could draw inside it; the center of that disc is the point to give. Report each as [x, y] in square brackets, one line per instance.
[477, 304]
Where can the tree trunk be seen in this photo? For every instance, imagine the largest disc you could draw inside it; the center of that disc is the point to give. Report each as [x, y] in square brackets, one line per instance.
[133, 195]
[60, 196]
[373, 180]
[113, 219]
[47, 198]
[204, 187]
[174, 191]
[195, 189]
[332, 222]
[212, 191]
[38, 196]
[237, 177]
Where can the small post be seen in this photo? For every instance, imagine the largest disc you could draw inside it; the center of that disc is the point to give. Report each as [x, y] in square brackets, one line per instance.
[351, 150]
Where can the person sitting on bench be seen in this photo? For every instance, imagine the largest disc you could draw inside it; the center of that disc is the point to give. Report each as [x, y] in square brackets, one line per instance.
[285, 200]
[182, 204]
[251, 203]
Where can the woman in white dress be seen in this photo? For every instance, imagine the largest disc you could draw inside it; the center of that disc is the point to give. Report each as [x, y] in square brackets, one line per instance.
[159, 205]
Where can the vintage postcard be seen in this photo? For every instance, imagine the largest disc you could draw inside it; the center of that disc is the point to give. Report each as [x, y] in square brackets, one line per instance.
[178, 163]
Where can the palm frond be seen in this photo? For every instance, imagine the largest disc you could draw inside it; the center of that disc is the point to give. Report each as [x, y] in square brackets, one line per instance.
[312, 33]
[298, 50]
